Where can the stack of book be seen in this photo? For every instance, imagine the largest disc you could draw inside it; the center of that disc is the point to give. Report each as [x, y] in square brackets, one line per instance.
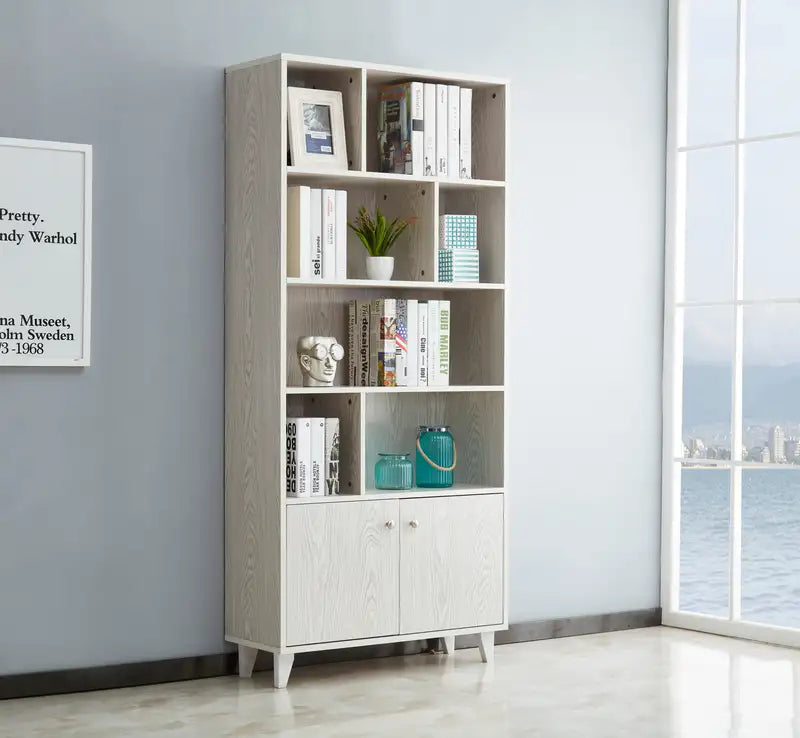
[458, 255]
[312, 457]
[425, 129]
[316, 233]
[399, 343]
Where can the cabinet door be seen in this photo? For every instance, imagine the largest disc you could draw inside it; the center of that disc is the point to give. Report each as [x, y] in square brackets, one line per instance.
[341, 571]
[452, 554]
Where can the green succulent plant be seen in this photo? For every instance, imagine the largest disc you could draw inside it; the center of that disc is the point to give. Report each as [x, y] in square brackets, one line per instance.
[377, 234]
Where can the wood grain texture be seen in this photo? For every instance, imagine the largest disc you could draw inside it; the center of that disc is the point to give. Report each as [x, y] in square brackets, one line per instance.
[452, 562]
[489, 132]
[254, 411]
[476, 421]
[342, 571]
[477, 353]
[348, 409]
[414, 251]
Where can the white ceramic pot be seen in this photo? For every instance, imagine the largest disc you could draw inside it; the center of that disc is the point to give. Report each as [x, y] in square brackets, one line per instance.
[380, 267]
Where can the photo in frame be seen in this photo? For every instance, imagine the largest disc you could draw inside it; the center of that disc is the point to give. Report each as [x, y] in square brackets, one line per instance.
[316, 129]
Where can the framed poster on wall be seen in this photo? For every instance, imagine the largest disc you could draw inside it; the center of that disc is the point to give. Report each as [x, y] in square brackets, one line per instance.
[45, 253]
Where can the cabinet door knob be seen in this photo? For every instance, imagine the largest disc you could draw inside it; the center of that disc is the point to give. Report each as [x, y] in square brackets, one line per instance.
[414, 523]
[390, 524]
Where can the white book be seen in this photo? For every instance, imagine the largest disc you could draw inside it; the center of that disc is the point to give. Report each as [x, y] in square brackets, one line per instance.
[429, 129]
[465, 134]
[331, 456]
[341, 235]
[298, 232]
[453, 121]
[298, 457]
[433, 343]
[329, 235]
[315, 219]
[441, 130]
[317, 457]
[401, 344]
[422, 342]
[443, 330]
[417, 130]
[412, 342]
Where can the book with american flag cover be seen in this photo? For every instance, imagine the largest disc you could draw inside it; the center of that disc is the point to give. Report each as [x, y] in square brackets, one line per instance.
[382, 339]
[401, 344]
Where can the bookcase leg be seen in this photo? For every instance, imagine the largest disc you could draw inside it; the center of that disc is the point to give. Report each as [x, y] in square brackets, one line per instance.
[486, 645]
[247, 660]
[449, 644]
[282, 667]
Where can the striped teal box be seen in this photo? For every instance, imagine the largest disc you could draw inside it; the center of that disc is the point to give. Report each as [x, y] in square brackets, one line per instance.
[458, 232]
[459, 265]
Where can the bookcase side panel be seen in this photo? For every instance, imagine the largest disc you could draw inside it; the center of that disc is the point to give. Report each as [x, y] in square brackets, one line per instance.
[254, 353]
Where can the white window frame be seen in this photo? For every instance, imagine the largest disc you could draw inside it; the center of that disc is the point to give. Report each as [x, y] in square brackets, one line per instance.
[674, 302]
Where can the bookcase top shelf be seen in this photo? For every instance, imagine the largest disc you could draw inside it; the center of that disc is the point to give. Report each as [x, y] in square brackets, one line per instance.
[353, 177]
[392, 284]
[379, 72]
[457, 490]
[348, 389]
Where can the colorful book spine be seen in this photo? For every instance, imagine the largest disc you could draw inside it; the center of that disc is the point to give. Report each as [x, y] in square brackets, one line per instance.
[383, 333]
[422, 339]
[417, 128]
[363, 309]
[443, 372]
[394, 142]
[401, 344]
[331, 456]
[317, 457]
[453, 122]
[341, 235]
[298, 232]
[433, 343]
[298, 457]
[429, 129]
[465, 134]
[315, 219]
[412, 342]
[441, 130]
[329, 235]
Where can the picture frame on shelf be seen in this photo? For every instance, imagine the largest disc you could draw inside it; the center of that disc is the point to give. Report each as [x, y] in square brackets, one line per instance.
[316, 129]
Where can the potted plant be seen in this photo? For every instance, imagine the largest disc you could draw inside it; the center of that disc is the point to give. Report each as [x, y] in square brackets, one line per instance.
[378, 236]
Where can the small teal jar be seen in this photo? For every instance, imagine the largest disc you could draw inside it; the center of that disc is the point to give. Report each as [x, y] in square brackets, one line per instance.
[393, 471]
[436, 456]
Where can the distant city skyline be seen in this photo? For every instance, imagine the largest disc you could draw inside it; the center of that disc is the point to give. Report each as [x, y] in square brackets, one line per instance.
[777, 448]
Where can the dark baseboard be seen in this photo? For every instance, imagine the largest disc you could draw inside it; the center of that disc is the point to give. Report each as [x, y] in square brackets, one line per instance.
[200, 667]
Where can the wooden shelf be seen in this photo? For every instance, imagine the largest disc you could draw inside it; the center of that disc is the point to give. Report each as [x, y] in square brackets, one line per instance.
[457, 490]
[391, 390]
[352, 177]
[392, 284]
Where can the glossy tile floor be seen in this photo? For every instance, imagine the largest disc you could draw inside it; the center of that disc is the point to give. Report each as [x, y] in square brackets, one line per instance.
[643, 683]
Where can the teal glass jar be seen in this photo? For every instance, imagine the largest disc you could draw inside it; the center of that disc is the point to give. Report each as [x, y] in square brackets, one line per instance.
[436, 456]
[393, 471]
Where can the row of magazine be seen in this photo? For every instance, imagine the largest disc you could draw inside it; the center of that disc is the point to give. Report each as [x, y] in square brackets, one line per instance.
[312, 457]
[399, 343]
[425, 129]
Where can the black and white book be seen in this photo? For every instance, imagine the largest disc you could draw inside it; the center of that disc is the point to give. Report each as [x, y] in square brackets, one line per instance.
[315, 219]
[417, 127]
[352, 353]
[332, 445]
[317, 457]
[453, 123]
[341, 235]
[412, 342]
[441, 130]
[443, 330]
[422, 344]
[363, 308]
[465, 134]
[298, 457]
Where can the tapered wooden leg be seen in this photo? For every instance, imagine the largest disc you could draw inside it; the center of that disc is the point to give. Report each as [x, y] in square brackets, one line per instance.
[282, 667]
[247, 660]
[449, 644]
[486, 645]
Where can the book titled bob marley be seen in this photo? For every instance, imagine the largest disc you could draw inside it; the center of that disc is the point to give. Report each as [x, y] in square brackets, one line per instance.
[400, 128]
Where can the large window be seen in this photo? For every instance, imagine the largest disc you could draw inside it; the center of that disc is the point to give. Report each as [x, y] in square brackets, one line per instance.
[731, 554]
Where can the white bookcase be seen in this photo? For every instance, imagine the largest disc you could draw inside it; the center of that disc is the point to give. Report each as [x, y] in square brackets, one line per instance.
[365, 567]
